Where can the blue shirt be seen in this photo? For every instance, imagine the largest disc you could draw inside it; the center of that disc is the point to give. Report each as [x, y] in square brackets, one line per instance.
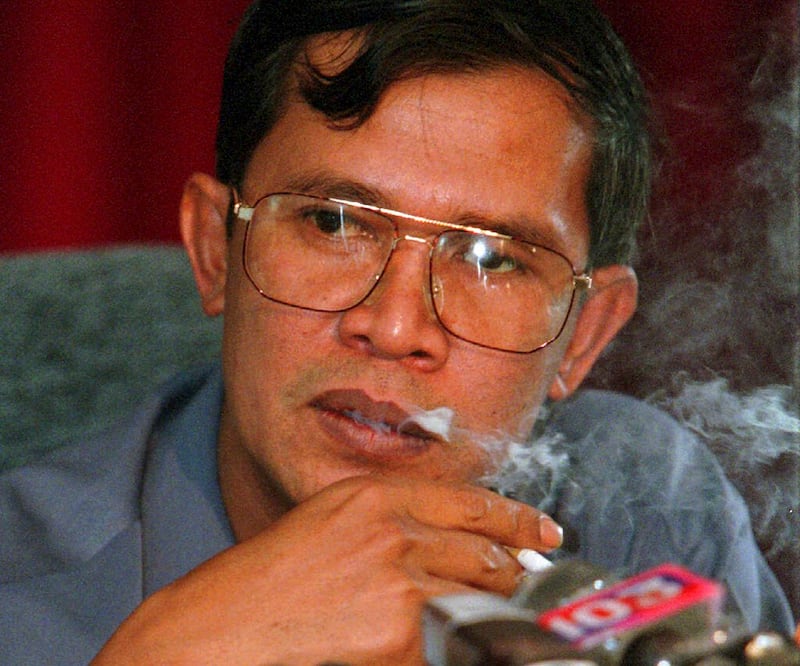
[92, 529]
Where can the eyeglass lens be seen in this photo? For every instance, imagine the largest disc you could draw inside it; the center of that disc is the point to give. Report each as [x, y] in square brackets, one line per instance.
[323, 255]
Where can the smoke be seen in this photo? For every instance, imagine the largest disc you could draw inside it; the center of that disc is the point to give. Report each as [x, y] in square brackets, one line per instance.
[438, 421]
[715, 340]
[531, 470]
[755, 438]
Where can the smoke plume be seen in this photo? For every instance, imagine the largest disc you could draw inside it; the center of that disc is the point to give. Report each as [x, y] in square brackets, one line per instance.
[715, 340]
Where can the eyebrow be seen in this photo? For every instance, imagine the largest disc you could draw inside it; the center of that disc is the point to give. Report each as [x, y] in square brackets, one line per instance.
[324, 184]
[331, 186]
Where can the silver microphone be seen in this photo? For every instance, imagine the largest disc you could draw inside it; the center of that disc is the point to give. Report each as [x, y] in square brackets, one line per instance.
[578, 614]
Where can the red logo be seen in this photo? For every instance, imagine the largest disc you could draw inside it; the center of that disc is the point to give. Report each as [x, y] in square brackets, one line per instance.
[643, 599]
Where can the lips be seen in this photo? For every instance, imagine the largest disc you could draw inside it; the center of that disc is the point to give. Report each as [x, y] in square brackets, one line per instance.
[373, 428]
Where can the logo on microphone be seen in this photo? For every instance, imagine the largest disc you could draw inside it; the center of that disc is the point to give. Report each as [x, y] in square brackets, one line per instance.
[656, 594]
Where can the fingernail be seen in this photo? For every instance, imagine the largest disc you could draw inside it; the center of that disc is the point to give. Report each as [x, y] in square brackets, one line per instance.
[550, 532]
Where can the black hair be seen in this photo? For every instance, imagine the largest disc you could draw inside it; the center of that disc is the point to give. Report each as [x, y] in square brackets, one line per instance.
[569, 40]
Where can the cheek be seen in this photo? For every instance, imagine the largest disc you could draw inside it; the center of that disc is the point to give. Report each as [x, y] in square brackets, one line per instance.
[501, 393]
[509, 401]
[267, 341]
[263, 343]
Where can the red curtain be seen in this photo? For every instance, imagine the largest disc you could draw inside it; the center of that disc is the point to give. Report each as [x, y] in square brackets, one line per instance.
[105, 108]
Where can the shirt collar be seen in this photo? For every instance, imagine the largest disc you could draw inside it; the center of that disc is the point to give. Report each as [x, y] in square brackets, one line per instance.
[183, 517]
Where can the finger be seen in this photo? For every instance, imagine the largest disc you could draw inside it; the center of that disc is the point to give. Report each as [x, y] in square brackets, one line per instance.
[462, 557]
[482, 511]
[430, 585]
[446, 506]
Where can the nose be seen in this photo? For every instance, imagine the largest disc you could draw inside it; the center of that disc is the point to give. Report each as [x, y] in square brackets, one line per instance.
[397, 321]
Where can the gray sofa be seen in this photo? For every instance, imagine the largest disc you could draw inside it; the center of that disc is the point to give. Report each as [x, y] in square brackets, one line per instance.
[85, 335]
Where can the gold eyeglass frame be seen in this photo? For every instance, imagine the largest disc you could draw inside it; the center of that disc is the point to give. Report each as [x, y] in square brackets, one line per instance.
[244, 212]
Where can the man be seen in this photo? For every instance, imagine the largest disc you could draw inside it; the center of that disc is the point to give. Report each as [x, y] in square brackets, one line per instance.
[418, 233]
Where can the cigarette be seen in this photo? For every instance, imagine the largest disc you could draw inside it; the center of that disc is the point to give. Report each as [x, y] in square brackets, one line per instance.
[530, 560]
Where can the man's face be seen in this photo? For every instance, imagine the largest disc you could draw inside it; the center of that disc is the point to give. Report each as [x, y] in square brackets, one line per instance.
[313, 397]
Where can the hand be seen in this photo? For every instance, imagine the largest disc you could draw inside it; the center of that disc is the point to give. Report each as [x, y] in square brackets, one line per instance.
[342, 577]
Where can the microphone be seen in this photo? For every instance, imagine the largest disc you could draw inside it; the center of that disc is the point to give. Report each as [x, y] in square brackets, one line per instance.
[578, 614]
[716, 649]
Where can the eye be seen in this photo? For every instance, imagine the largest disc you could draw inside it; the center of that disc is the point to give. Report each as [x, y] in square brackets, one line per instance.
[334, 222]
[325, 220]
[330, 227]
[488, 257]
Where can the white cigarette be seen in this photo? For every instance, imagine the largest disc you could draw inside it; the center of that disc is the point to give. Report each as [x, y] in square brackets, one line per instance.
[530, 560]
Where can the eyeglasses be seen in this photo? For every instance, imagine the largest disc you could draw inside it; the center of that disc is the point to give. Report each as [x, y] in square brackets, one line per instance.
[327, 255]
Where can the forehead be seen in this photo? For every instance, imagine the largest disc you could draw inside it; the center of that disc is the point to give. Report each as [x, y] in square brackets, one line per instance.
[504, 146]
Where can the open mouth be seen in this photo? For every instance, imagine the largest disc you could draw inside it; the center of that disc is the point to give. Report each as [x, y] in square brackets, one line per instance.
[410, 426]
[378, 427]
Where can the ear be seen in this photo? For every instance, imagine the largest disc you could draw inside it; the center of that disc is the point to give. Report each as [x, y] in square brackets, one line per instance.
[203, 211]
[610, 304]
